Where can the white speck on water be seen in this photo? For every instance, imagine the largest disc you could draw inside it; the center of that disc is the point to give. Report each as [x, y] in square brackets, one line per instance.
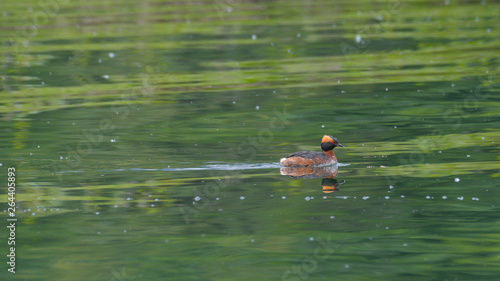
[391, 187]
[427, 197]
[366, 197]
[475, 198]
[272, 44]
[97, 213]
[468, 155]
[460, 198]
[440, 151]
[402, 196]
[38, 146]
[229, 9]
[447, 2]
[457, 179]
[347, 266]
[338, 81]
[197, 198]
[254, 37]
[257, 107]
[33, 214]
[111, 55]
[105, 76]
[358, 38]
[308, 198]
[128, 198]
[322, 126]
[116, 205]
[234, 102]
[242, 197]
[283, 197]
[61, 158]
[98, 233]
[298, 35]
[152, 205]
[387, 197]
[124, 231]
[488, 30]
[453, 85]
[112, 140]
[95, 33]
[156, 199]
[252, 240]
[43, 83]
[404, 244]
[386, 89]
[99, 61]
[217, 198]
[311, 238]
[332, 217]
[445, 197]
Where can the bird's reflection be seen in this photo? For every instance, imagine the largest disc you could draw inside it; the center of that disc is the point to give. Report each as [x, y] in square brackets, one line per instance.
[328, 173]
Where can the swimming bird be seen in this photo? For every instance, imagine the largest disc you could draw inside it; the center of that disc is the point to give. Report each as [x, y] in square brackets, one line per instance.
[312, 158]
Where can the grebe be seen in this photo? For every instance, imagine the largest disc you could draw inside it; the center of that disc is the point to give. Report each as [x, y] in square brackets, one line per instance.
[312, 158]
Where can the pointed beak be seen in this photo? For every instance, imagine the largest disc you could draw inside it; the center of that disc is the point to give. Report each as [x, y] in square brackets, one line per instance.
[341, 145]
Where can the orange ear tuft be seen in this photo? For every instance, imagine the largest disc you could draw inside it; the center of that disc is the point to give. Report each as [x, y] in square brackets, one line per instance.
[326, 139]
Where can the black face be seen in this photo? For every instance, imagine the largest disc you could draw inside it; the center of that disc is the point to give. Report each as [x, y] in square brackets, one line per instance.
[330, 145]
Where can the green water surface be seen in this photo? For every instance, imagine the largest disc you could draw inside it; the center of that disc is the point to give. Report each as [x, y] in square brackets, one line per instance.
[146, 137]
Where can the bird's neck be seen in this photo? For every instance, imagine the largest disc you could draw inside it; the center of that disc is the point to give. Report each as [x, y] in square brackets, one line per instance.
[330, 154]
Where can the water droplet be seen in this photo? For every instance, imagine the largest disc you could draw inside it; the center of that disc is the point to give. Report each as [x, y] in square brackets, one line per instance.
[105, 76]
[242, 197]
[457, 179]
[197, 198]
[311, 238]
[358, 38]
[254, 37]
[111, 55]
[366, 197]
[257, 107]
[283, 197]
[445, 197]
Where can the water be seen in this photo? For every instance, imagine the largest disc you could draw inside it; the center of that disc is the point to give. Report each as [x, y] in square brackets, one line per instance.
[146, 136]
